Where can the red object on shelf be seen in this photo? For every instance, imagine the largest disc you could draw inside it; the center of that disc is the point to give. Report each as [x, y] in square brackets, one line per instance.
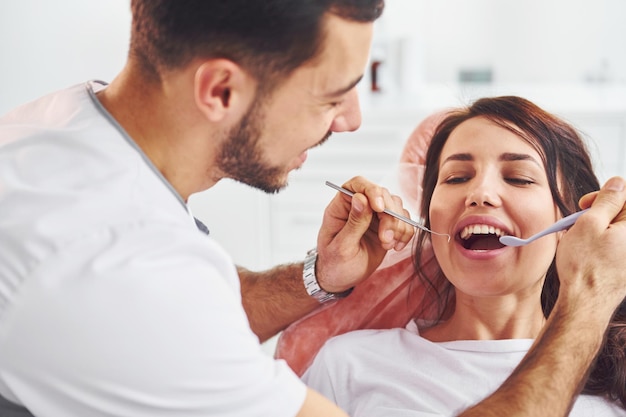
[374, 75]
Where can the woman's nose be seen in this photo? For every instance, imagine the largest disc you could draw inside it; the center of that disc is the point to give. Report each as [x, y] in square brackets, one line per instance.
[349, 118]
[483, 193]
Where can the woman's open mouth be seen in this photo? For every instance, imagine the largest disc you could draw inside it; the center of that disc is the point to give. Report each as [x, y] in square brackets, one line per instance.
[480, 237]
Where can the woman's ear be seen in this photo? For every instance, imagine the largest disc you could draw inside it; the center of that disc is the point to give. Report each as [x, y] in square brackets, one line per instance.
[222, 89]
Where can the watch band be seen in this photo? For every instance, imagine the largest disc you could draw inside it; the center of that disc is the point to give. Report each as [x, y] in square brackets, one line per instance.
[310, 281]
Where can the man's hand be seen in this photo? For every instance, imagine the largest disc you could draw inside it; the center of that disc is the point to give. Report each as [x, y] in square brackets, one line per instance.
[591, 256]
[356, 234]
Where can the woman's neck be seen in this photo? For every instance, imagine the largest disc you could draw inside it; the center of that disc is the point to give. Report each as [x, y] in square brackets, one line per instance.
[492, 318]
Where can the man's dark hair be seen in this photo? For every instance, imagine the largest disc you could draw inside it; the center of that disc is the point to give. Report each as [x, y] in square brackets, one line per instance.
[268, 38]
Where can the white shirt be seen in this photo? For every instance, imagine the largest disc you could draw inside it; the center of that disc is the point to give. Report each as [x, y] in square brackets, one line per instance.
[111, 301]
[397, 373]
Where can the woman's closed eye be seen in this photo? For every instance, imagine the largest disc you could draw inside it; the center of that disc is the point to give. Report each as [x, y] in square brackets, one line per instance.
[519, 180]
[456, 179]
[516, 180]
[521, 176]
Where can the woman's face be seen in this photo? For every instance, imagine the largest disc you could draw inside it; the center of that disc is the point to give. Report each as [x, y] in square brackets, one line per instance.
[490, 183]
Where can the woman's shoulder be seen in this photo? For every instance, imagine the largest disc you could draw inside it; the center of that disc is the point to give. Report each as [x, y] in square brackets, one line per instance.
[371, 340]
[358, 348]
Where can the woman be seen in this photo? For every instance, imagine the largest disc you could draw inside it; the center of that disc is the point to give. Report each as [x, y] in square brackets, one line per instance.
[501, 166]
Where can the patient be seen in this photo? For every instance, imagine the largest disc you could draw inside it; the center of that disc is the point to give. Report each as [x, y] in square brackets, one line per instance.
[502, 166]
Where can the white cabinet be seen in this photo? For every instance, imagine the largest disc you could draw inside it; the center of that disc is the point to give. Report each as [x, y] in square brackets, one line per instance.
[237, 217]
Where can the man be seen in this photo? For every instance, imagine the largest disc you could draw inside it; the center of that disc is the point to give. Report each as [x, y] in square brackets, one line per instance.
[114, 304]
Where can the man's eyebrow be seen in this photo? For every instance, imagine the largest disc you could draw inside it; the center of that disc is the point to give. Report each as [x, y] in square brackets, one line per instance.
[345, 89]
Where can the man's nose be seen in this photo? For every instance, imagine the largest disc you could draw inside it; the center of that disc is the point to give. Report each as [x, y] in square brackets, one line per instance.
[349, 118]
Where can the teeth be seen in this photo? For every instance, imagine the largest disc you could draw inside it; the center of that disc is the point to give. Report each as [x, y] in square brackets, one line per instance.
[480, 229]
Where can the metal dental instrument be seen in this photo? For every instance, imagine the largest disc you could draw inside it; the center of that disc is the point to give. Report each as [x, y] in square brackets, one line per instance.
[562, 224]
[389, 212]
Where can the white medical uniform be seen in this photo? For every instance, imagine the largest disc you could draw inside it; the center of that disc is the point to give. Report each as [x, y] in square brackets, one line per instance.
[112, 303]
[397, 373]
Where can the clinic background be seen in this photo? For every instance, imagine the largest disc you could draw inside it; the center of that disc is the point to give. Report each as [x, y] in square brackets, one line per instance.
[568, 56]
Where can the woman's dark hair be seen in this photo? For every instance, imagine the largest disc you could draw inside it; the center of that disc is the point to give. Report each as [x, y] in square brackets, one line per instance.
[570, 175]
[268, 38]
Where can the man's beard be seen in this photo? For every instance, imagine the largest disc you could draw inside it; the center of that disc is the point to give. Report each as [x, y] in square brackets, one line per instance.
[241, 157]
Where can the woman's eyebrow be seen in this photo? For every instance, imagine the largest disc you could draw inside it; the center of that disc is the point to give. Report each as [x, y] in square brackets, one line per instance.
[458, 157]
[344, 90]
[510, 156]
[505, 157]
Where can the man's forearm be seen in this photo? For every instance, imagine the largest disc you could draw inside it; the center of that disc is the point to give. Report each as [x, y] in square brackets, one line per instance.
[553, 372]
[275, 298]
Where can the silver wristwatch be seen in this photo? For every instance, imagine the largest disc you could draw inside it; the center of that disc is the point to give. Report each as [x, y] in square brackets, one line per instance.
[310, 281]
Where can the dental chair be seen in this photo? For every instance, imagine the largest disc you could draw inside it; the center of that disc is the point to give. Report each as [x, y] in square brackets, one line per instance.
[391, 296]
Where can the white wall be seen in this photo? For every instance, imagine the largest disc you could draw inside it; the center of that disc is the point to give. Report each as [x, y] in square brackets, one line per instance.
[554, 41]
[47, 45]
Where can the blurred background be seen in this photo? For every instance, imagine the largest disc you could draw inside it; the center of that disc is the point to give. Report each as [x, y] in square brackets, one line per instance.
[48, 45]
[534, 41]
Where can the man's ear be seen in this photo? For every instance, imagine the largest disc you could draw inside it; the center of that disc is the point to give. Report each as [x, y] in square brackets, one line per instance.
[222, 89]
